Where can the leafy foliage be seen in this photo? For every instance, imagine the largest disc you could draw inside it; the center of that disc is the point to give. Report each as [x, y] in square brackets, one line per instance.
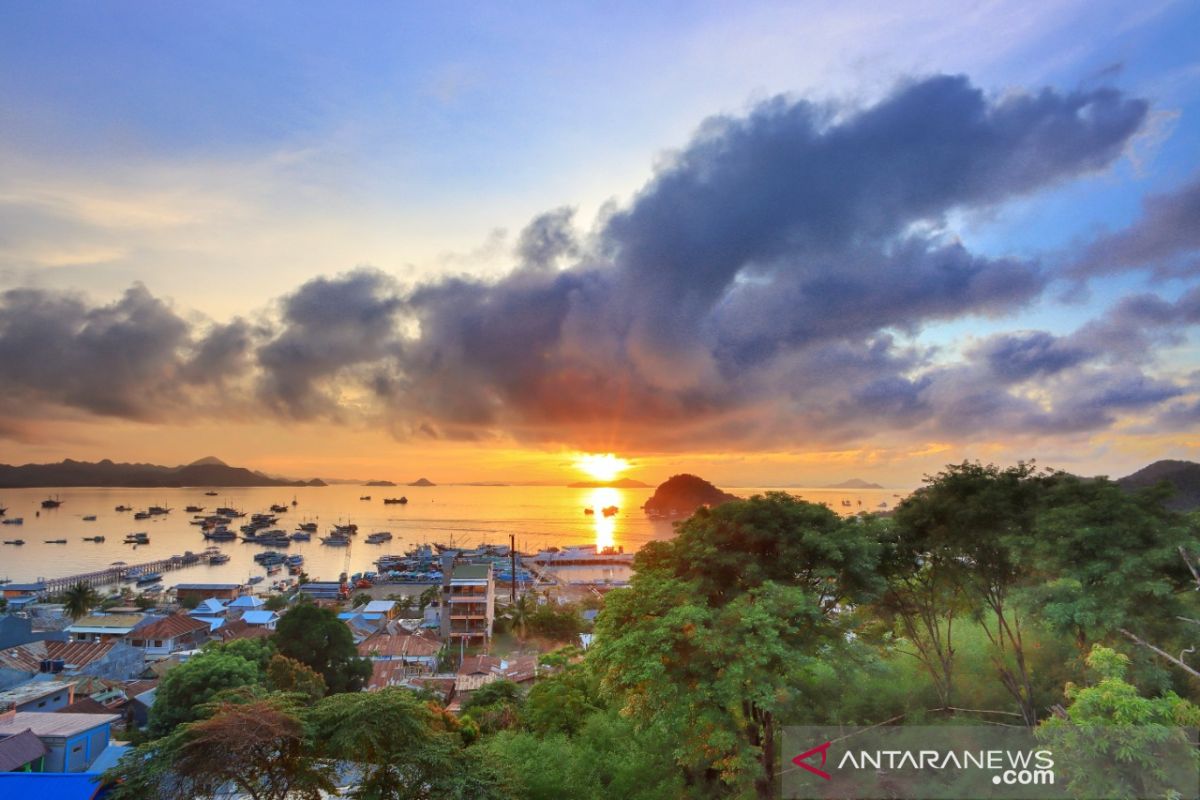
[316, 637]
[186, 690]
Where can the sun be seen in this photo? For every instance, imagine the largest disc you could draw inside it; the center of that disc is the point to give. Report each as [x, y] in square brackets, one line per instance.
[601, 466]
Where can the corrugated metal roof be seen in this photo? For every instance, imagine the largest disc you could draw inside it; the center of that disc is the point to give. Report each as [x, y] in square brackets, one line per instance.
[53, 724]
[19, 749]
[170, 627]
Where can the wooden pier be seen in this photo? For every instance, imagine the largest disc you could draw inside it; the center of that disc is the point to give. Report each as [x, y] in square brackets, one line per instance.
[117, 574]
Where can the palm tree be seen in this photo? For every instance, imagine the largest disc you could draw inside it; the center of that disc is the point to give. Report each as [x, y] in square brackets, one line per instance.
[428, 597]
[79, 600]
[517, 615]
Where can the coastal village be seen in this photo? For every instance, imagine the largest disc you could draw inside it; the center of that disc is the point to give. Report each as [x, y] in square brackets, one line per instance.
[78, 683]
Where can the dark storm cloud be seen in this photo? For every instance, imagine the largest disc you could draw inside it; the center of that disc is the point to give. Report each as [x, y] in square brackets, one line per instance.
[755, 292]
[121, 359]
[1165, 238]
[329, 326]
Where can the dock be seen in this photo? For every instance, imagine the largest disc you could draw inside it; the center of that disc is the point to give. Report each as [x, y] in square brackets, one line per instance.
[111, 575]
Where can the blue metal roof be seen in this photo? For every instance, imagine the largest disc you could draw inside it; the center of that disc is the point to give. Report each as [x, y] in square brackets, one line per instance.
[50, 785]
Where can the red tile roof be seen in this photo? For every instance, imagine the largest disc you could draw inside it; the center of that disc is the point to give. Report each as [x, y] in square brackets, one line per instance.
[171, 627]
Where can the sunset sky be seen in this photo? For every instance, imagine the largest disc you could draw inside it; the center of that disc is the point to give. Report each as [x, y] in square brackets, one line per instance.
[769, 243]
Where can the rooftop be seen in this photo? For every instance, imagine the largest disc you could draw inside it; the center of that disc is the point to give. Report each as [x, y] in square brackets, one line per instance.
[49, 724]
[171, 627]
[247, 601]
[29, 657]
[106, 623]
[398, 645]
[28, 692]
[379, 606]
[259, 617]
[207, 587]
[19, 749]
[49, 785]
[472, 572]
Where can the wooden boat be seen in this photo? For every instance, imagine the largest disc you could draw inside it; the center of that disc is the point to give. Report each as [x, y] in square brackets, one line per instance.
[90, 518]
[93, 538]
[14, 541]
[55, 541]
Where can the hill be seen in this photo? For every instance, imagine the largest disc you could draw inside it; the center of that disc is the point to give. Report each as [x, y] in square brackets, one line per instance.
[379, 483]
[1183, 477]
[854, 483]
[205, 472]
[422, 482]
[683, 494]
[623, 483]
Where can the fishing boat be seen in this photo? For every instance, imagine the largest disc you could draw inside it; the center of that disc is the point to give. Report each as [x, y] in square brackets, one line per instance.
[14, 541]
[149, 578]
[55, 541]
[158, 510]
[142, 515]
[389, 501]
[295, 559]
[365, 497]
[279, 509]
[255, 579]
[13, 521]
[137, 538]
[379, 537]
[220, 535]
[218, 558]
[609, 511]
[194, 509]
[274, 569]
[123, 508]
[311, 527]
[301, 536]
[90, 518]
[210, 494]
[295, 502]
[96, 539]
[589, 511]
[53, 502]
[349, 529]
[336, 540]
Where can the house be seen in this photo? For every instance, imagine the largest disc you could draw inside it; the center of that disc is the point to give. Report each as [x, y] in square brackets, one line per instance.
[261, 619]
[72, 741]
[113, 659]
[38, 695]
[15, 631]
[205, 591]
[104, 627]
[209, 607]
[246, 602]
[323, 590]
[21, 752]
[361, 625]
[238, 629]
[469, 603]
[412, 653]
[21, 590]
[388, 608]
[167, 635]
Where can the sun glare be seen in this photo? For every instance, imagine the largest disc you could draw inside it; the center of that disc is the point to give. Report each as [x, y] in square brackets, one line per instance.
[602, 467]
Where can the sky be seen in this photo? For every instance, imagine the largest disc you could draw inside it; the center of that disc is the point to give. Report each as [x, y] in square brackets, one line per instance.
[769, 243]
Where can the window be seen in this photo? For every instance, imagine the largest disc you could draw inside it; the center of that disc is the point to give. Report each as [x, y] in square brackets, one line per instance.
[42, 704]
[158, 642]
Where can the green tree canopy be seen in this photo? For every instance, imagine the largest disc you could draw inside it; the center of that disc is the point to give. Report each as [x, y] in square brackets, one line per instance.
[316, 637]
[184, 693]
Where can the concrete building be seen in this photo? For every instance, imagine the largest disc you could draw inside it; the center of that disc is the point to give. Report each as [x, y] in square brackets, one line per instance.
[38, 696]
[204, 591]
[469, 603]
[72, 741]
[167, 635]
[104, 627]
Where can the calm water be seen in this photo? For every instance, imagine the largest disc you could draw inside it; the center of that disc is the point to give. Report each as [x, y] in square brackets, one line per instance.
[539, 516]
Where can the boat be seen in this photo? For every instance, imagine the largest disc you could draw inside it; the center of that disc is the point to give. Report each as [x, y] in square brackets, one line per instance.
[142, 515]
[295, 559]
[137, 538]
[55, 541]
[194, 509]
[220, 535]
[274, 569]
[90, 518]
[255, 579]
[52, 502]
[278, 509]
[14, 541]
[846, 504]
[210, 494]
[589, 511]
[13, 521]
[301, 536]
[295, 502]
[390, 501]
[218, 558]
[379, 538]
[348, 529]
[233, 513]
[609, 511]
[365, 497]
[96, 539]
[148, 578]
[336, 540]
[123, 508]
[158, 510]
[310, 527]
[2, 510]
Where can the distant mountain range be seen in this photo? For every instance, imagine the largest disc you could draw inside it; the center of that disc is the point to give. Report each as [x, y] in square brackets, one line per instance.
[208, 471]
[854, 483]
[422, 482]
[623, 483]
[1183, 477]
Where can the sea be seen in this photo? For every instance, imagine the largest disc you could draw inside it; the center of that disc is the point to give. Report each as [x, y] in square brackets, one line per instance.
[536, 517]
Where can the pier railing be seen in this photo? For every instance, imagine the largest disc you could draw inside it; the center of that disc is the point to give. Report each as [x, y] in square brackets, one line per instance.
[117, 574]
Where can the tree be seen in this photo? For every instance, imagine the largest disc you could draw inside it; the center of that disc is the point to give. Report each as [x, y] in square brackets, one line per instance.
[517, 614]
[185, 691]
[79, 600]
[562, 624]
[494, 706]
[562, 702]
[1111, 742]
[189, 602]
[316, 637]
[289, 675]
[260, 747]
[402, 744]
[977, 524]
[276, 602]
[360, 599]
